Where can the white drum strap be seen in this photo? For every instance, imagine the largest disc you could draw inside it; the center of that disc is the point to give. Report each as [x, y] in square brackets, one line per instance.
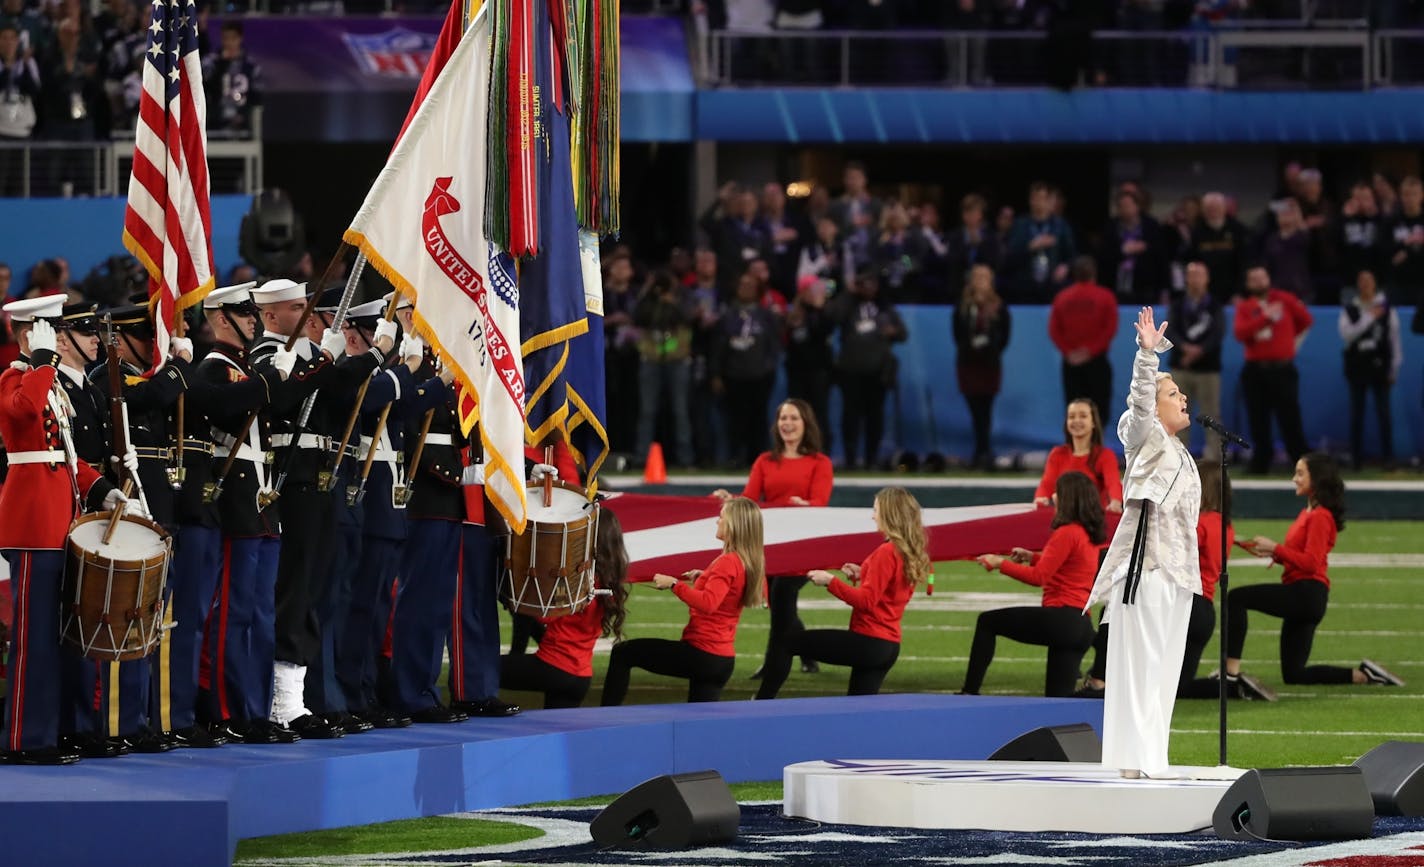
[254, 434]
[59, 404]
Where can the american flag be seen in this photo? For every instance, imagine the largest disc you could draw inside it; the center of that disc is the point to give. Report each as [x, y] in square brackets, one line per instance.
[167, 225]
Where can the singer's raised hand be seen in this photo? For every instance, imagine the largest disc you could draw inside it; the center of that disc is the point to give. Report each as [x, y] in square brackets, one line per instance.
[1148, 334]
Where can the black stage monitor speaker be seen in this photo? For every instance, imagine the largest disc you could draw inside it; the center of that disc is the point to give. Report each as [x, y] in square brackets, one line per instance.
[1394, 773]
[1071, 743]
[1296, 804]
[670, 812]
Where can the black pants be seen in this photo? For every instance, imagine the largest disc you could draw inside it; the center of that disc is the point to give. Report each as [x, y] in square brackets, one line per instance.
[1359, 390]
[1301, 606]
[1067, 633]
[706, 674]
[621, 368]
[522, 628]
[870, 659]
[532, 674]
[747, 428]
[862, 412]
[1272, 389]
[1092, 380]
[782, 593]
[308, 531]
[812, 383]
[981, 411]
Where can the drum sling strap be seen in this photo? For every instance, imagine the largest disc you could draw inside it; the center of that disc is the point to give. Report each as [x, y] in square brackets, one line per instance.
[254, 436]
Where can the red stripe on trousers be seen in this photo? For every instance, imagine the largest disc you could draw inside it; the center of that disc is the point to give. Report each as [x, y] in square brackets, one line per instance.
[220, 651]
[457, 649]
[22, 628]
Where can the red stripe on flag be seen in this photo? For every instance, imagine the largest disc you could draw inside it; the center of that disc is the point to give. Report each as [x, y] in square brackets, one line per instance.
[523, 187]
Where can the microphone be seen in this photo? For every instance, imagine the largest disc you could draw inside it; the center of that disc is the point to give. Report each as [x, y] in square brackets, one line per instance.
[1212, 424]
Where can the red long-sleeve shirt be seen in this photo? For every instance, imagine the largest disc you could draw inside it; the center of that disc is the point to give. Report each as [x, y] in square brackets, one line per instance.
[1305, 553]
[1209, 550]
[878, 601]
[1084, 316]
[1100, 465]
[568, 640]
[715, 603]
[774, 482]
[1065, 568]
[1267, 339]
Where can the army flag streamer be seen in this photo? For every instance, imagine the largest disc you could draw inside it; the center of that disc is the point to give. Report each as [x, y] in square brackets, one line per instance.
[422, 226]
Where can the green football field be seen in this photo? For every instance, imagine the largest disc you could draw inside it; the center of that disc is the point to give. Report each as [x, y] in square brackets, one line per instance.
[1376, 603]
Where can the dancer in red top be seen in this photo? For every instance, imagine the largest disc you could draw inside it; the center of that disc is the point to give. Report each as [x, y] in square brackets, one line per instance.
[1065, 570]
[1083, 452]
[794, 473]
[706, 654]
[562, 668]
[882, 587]
[1301, 597]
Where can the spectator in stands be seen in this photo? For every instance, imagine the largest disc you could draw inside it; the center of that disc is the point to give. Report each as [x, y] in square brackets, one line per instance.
[826, 257]
[6, 285]
[1361, 234]
[735, 233]
[73, 107]
[1196, 326]
[745, 352]
[621, 357]
[19, 102]
[767, 295]
[785, 235]
[1004, 226]
[708, 434]
[1407, 242]
[1082, 452]
[809, 357]
[1321, 220]
[933, 276]
[896, 256]
[1219, 241]
[1385, 194]
[1286, 251]
[866, 367]
[123, 38]
[857, 213]
[981, 333]
[233, 83]
[974, 242]
[1369, 327]
[1133, 255]
[664, 321]
[1040, 246]
[32, 27]
[681, 265]
[1082, 324]
[1271, 324]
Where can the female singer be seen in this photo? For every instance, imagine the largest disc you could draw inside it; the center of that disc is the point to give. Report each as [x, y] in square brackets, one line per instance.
[794, 473]
[1301, 597]
[1082, 451]
[887, 579]
[706, 653]
[1065, 571]
[562, 668]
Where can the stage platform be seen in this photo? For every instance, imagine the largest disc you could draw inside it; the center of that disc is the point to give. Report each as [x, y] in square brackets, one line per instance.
[1003, 796]
[190, 807]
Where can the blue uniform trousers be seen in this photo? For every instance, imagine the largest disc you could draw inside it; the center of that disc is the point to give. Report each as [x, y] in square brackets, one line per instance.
[423, 614]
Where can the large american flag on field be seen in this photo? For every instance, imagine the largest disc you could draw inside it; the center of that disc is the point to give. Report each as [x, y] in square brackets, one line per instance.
[167, 225]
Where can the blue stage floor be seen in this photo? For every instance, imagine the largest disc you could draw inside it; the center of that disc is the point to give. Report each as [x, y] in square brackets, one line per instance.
[190, 807]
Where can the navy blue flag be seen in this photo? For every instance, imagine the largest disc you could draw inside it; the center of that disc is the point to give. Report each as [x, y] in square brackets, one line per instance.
[588, 435]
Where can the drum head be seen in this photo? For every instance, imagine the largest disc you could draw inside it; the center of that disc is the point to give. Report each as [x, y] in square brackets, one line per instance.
[568, 504]
[132, 540]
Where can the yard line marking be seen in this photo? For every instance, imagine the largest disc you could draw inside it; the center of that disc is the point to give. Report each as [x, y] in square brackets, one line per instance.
[1277, 732]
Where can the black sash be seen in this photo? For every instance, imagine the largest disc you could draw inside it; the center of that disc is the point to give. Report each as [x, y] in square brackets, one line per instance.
[1139, 554]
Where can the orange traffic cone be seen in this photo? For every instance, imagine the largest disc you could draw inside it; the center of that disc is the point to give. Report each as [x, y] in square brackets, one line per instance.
[654, 470]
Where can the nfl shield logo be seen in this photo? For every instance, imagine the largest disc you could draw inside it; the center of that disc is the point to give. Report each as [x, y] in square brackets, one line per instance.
[397, 53]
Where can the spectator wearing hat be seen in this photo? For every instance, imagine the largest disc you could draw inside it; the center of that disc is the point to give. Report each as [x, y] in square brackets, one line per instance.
[1082, 324]
[47, 488]
[866, 367]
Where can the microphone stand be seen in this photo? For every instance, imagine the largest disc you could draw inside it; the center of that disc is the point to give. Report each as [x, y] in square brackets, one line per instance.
[1222, 585]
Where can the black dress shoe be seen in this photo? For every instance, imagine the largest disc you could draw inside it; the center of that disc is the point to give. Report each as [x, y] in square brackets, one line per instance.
[144, 742]
[348, 723]
[41, 756]
[261, 731]
[381, 718]
[225, 732]
[486, 707]
[316, 728]
[93, 746]
[439, 714]
[195, 737]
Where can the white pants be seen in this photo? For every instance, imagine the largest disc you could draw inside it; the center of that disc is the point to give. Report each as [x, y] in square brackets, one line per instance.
[1145, 647]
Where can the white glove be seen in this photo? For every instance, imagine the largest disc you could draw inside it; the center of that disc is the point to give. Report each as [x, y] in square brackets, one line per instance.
[113, 498]
[386, 328]
[541, 470]
[283, 361]
[42, 336]
[412, 347]
[128, 462]
[181, 346]
[136, 508]
[473, 475]
[333, 343]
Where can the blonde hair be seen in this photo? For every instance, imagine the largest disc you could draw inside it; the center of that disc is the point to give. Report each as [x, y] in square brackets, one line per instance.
[744, 538]
[905, 528]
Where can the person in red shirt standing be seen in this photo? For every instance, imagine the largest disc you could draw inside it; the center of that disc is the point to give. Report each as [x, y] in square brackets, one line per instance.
[715, 597]
[1082, 452]
[1271, 325]
[1301, 597]
[1082, 324]
[883, 585]
[1065, 570]
[562, 668]
[794, 473]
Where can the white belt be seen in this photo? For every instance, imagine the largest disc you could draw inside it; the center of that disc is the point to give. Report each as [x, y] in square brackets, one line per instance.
[439, 439]
[245, 452]
[305, 441]
[386, 455]
[48, 456]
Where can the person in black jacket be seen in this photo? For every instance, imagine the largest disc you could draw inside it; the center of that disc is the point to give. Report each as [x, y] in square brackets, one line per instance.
[1132, 257]
[866, 368]
[1369, 328]
[1196, 325]
[808, 348]
[745, 352]
[1219, 241]
[981, 333]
